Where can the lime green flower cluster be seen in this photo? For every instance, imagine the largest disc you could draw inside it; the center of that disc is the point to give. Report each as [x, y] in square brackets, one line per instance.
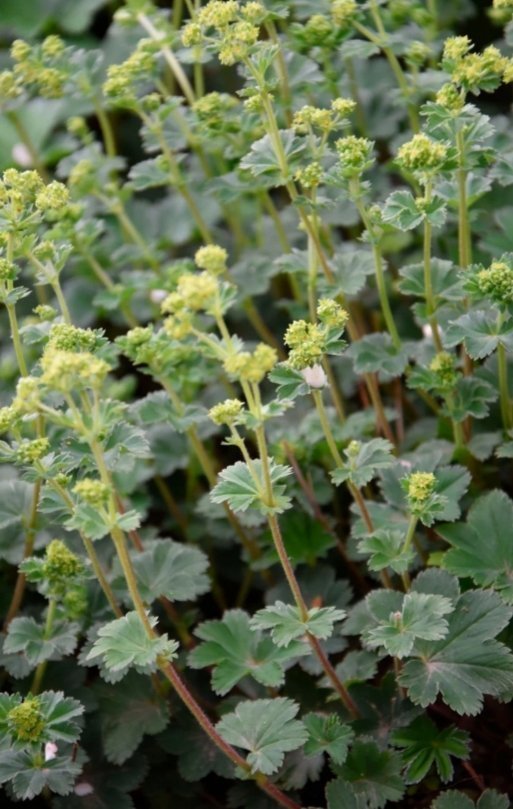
[310, 176]
[25, 199]
[9, 417]
[422, 154]
[251, 367]
[8, 270]
[309, 341]
[232, 28]
[92, 491]
[420, 487]
[332, 313]
[444, 371]
[45, 312]
[228, 412]
[61, 565]
[135, 343]
[475, 71]
[343, 12]
[122, 80]
[28, 452]
[27, 395]
[52, 200]
[64, 371]
[309, 118]
[496, 282]
[10, 86]
[212, 109]
[26, 722]
[196, 292]
[451, 98]
[418, 54]
[355, 155]
[41, 67]
[65, 337]
[212, 258]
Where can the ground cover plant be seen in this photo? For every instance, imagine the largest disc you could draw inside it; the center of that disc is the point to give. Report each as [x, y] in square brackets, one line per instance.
[256, 289]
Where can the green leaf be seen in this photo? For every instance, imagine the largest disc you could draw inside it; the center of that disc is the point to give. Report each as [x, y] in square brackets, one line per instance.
[421, 615]
[305, 539]
[386, 549]
[351, 269]
[468, 663]
[197, 755]
[28, 776]
[125, 642]
[445, 278]
[472, 397]
[235, 651]
[27, 636]
[453, 799]
[339, 793]
[401, 211]
[289, 383]
[171, 569]
[361, 466]
[286, 625]
[15, 502]
[262, 162]
[375, 353]
[488, 563]
[149, 174]
[240, 491]
[373, 774]
[480, 332]
[327, 734]
[423, 745]
[267, 729]
[128, 713]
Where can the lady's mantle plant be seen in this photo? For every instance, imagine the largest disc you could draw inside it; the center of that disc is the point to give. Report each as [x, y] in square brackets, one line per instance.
[256, 279]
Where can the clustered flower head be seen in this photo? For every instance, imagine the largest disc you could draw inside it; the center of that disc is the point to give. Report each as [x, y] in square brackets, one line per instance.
[65, 337]
[422, 154]
[227, 412]
[307, 342]
[9, 417]
[61, 564]
[475, 71]
[343, 11]
[8, 270]
[443, 368]
[251, 367]
[92, 491]
[195, 291]
[231, 27]
[418, 53]
[43, 67]
[355, 154]
[496, 282]
[65, 370]
[122, 79]
[212, 109]
[450, 98]
[26, 721]
[28, 452]
[331, 313]
[420, 486]
[310, 176]
[212, 258]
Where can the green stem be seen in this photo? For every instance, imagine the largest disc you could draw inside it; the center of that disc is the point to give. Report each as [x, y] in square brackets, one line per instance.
[505, 400]
[464, 241]
[356, 194]
[19, 588]
[16, 340]
[170, 58]
[109, 140]
[410, 533]
[62, 301]
[428, 282]
[41, 668]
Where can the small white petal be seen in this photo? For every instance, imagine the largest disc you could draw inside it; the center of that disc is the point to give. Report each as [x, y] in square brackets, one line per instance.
[50, 751]
[21, 155]
[158, 295]
[315, 376]
[84, 789]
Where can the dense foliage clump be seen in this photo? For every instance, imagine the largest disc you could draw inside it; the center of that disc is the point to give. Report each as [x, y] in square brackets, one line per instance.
[256, 299]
